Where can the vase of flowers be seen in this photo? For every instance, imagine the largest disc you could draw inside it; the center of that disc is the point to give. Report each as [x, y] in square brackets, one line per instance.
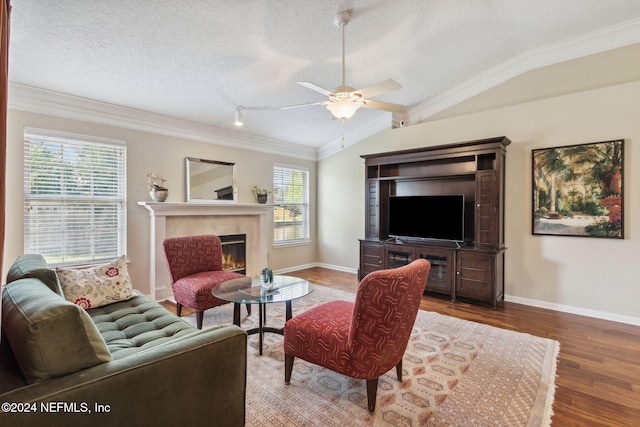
[262, 194]
[157, 190]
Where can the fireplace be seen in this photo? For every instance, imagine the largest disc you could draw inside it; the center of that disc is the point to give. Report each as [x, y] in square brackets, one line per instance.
[189, 219]
[234, 253]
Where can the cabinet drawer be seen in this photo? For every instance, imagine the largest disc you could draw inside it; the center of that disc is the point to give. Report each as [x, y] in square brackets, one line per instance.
[374, 250]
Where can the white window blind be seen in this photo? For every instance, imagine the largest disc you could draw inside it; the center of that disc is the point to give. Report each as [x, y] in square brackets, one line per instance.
[291, 200]
[75, 197]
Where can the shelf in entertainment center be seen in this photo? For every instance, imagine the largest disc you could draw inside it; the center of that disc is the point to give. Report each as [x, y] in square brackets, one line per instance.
[426, 177]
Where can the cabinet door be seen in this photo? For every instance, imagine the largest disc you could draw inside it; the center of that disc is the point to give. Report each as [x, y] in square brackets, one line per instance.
[475, 275]
[487, 215]
[441, 275]
[371, 258]
[372, 217]
[399, 255]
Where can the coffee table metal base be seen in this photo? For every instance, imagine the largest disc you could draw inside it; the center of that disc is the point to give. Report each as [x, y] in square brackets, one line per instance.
[262, 321]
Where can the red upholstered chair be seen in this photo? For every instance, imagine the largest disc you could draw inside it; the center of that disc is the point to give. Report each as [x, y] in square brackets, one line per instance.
[195, 266]
[364, 339]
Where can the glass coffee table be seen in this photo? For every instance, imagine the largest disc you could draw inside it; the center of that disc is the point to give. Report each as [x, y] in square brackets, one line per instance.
[249, 290]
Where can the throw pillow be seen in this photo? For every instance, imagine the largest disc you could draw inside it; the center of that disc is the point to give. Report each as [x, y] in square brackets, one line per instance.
[96, 286]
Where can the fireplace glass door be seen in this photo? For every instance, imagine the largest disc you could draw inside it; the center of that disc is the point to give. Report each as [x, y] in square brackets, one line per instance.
[234, 251]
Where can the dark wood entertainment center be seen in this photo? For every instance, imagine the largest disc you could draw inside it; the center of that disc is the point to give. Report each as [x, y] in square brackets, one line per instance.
[473, 269]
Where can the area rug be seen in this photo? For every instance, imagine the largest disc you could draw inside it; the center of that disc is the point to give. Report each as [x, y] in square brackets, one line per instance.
[455, 373]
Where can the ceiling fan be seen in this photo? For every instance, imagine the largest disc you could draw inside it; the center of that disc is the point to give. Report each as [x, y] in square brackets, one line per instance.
[344, 100]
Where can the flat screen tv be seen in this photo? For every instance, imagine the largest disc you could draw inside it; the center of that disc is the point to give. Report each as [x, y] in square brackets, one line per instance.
[427, 217]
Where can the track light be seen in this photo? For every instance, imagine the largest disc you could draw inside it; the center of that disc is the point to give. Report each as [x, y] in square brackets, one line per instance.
[238, 120]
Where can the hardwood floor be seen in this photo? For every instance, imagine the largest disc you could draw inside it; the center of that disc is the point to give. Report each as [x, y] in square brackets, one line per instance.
[598, 373]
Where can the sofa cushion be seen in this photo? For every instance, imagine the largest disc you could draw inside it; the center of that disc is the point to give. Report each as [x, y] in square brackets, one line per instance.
[96, 286]
[49, 336]
[138, 324]
[34, 266]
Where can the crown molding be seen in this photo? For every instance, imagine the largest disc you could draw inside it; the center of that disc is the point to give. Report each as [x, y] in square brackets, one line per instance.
[42, 101]
[609, 38]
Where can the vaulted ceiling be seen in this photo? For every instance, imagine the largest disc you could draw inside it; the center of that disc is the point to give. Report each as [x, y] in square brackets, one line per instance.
[188, 65]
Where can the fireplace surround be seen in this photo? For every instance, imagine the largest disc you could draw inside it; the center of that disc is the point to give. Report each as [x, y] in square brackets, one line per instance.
[190, 219]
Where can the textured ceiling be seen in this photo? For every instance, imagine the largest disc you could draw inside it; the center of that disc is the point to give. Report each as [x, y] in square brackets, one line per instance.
[198, 60]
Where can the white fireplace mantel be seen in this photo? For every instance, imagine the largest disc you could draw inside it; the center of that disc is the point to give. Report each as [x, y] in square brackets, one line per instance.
[185, 219]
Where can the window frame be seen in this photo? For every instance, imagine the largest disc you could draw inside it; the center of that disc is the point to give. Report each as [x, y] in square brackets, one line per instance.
[306, 204]
[89, 203]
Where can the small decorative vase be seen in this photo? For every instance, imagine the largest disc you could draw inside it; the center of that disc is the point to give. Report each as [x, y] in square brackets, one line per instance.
[267, 279]
[262, 198]
[159, 194]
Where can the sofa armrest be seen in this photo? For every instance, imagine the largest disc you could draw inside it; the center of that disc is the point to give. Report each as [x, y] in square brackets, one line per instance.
[33, 266]
[197, 377]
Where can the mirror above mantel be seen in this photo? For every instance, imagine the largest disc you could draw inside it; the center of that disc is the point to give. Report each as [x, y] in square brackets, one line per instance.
[210, 180]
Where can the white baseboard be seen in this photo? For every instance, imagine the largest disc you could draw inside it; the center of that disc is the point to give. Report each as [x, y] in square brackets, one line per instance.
[161, 294]
[574, 310]
[509, 298]
[316, 264]
[338, 268]
[294, 268]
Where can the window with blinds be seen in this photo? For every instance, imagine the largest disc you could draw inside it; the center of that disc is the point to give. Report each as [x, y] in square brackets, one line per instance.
[291, 200]
[75, 197]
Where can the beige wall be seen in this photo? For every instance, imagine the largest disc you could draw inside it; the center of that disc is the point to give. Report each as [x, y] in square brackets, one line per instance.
[583, 275]
[148, 152]
[588, 276]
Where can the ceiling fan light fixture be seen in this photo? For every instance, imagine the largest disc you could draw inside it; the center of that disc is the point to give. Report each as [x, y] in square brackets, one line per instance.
[343, 110]
[344, 100]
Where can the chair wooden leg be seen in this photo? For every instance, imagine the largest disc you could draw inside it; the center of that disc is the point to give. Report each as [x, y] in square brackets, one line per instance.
[399, 370]
[199, 318]
[288, 368]
[248, 309]
[372, 391]
[179, 309]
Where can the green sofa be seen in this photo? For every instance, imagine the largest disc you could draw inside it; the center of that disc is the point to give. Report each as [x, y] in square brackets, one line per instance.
[127, 363]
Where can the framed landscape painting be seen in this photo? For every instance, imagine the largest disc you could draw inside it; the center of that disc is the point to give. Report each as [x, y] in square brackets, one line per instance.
[578, 190]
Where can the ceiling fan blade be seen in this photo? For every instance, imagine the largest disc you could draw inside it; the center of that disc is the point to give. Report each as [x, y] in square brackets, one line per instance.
[304, 105]
[315, 87]
[378, 89]
[383, 106]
